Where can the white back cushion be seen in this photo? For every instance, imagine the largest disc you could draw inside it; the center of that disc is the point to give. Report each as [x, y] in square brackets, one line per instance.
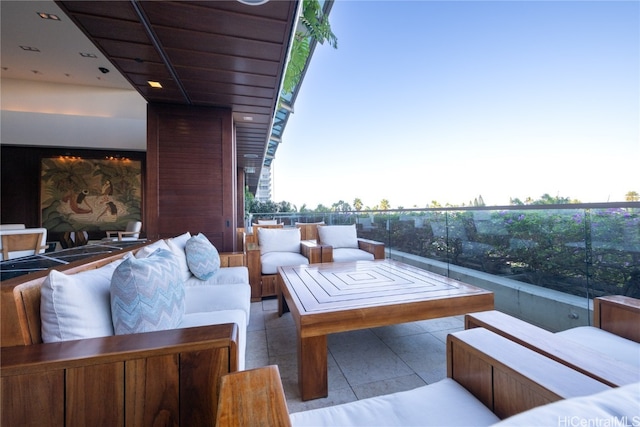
[78, 305]
[279, 240]
[145, 251]
[339, 236]
[177, 245]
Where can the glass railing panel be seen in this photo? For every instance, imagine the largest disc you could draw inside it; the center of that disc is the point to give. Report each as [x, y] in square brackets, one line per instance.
[583, 251]
[612, 251]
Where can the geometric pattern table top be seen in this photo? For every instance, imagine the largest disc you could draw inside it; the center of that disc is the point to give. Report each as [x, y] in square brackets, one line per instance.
[331, 287]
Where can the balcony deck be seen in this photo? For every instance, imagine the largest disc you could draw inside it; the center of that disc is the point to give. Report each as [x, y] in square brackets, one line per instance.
[362, 364]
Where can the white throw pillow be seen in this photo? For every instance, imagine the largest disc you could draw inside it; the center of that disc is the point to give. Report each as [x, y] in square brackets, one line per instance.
[267, 222]
[339, 236]
[279, 240]
[177, 245]
[77, 306]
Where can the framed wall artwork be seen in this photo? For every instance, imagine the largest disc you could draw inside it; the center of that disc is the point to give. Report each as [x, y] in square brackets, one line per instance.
[81, 194]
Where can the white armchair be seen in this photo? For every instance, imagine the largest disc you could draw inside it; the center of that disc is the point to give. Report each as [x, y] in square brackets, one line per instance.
[132, 232]
[17, 243]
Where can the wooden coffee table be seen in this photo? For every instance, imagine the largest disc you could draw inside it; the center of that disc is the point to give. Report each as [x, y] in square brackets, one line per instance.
[337, 297]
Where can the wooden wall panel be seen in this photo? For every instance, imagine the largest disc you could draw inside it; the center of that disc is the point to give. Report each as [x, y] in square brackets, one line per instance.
[191, 165]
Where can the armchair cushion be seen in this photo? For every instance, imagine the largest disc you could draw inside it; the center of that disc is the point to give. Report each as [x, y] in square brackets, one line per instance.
[339, 236]
[442, 403]
[350, 254]
[279, 240]
[202, 257]
[147, 294]
[77, 306]
[272, 260]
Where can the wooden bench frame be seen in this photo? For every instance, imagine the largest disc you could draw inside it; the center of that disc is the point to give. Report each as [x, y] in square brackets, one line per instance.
[506, 377]
[166, 377]
[616, 314]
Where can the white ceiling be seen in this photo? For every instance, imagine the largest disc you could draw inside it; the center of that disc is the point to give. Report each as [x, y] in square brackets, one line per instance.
[56, 97]
[60, 44]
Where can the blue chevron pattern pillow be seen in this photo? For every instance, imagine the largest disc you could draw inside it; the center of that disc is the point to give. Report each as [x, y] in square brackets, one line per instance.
[202, 257]
[147, 294]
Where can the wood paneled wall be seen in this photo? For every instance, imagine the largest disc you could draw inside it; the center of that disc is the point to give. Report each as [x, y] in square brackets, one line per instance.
[191, 173]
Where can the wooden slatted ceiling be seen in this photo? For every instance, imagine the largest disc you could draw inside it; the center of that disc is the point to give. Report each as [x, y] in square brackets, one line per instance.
[220, 53]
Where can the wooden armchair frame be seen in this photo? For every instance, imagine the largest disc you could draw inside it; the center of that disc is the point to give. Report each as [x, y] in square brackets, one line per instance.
[616, 314]
[506, 377]
[264, 285]
[24, 240]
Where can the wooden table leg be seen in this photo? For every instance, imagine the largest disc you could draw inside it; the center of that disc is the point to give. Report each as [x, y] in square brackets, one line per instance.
[312, 367]
[282, 304]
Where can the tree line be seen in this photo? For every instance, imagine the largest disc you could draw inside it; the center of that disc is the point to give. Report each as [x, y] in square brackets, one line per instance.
[255, 206]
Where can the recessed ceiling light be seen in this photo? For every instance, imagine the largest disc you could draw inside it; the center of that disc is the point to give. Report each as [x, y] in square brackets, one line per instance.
[51, 16]
[250, 156]
[153, 84]
[88, 55]
[247, 118]
[30, 48]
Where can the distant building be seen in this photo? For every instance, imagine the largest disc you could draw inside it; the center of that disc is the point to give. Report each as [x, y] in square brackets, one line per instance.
[263, 192]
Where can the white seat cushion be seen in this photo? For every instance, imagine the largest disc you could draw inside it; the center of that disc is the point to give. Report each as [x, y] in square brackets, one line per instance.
[350, 254]
[199, 299]
[612, 345]
[445, 403]
[618, 406]
[272, 260]
[192, 320]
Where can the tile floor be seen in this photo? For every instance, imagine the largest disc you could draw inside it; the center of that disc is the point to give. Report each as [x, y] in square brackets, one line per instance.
[362, 363]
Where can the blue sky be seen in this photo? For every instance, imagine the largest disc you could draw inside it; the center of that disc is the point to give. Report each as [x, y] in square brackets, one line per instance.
[448, 100]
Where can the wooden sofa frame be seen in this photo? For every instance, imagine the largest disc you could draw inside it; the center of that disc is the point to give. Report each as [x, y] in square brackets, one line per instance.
[616, 314]
[166, 377]
[506, 377]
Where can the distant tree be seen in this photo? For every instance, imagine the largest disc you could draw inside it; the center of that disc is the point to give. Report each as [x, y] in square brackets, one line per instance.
[341, 206]
[304, 208]
[545, 199]
[321, 208]
[435, 204]
[632, 196]
[357, 204]
[385, 205]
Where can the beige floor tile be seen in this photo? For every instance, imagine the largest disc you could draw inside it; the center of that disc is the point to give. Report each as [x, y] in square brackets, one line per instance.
[361, 363]
[392, 385]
